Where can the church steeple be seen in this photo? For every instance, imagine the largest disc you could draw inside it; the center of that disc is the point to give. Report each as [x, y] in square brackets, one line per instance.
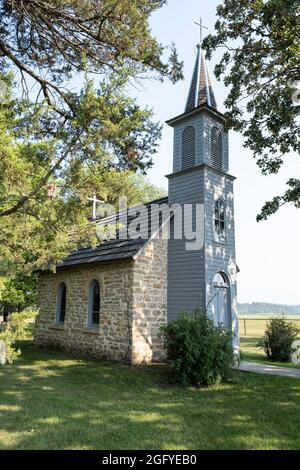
[200, 178]
[201, 91]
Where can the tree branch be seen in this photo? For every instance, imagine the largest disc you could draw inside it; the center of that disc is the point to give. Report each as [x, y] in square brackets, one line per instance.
[41, 183]
[43, 83]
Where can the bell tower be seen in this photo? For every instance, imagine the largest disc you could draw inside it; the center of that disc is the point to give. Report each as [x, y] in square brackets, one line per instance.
[204, 278]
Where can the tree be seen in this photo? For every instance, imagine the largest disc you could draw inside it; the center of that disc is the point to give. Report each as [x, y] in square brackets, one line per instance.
[47, 225]
[144, 190]
[278, 339]
[261, 67]
[58, 144]
[46, 44]
[60, 38]
[17, 293]
[27, 245]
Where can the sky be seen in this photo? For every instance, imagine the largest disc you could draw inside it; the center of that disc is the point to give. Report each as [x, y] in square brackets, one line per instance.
[268, 253]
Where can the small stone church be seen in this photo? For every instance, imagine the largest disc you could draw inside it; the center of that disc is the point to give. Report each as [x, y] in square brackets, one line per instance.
[111, 301]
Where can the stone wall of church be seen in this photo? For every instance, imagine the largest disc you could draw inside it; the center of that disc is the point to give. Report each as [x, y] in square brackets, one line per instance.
[113, 337]
[149, 302]
[133, 308]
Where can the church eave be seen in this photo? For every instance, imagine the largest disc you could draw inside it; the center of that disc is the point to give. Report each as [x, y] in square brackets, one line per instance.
[101, 262]
[200, 167]
[203, 107]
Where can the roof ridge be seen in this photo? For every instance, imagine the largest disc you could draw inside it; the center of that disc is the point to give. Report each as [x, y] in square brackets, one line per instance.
[115, 249]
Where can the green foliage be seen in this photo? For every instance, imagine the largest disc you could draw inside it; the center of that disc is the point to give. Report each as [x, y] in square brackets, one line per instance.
[144, 190]
[202, 352]
[37, 231]
[18, 292]
[261, 65]
[59, 39]
[16, 329]
[278, 339]
[54, 133]
[62, 41]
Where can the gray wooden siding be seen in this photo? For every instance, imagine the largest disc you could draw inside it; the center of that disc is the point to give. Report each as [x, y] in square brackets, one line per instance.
[220, 257]
[191, 273]
[186, 282]
[203, 123]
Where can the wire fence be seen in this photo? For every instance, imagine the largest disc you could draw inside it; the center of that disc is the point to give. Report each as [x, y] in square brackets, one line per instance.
[256, 326]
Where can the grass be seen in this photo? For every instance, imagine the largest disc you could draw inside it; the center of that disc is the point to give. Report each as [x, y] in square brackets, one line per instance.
[255, 328]
[250, 352]
[49, 400]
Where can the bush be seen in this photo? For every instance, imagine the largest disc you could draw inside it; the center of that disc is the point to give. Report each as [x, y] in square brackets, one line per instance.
[278, 339]
[202, 352]
[15, 329]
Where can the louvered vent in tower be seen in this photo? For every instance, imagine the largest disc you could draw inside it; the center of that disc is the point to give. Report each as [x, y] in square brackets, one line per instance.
[216, 148]
[188, 148]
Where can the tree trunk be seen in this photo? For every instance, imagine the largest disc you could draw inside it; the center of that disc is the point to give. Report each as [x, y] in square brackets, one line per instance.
[5, 315]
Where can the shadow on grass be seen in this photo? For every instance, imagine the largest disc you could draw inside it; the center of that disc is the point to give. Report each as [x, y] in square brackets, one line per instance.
[49, 400]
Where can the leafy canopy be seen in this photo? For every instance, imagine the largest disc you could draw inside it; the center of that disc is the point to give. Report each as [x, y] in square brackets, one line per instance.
[17, 293]
[50, 41]
[77, 141]
[46, 45]
[37, 230]
[14, 330]
[261, 66]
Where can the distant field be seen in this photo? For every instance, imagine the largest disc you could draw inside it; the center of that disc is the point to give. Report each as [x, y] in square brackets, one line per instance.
[255, 325]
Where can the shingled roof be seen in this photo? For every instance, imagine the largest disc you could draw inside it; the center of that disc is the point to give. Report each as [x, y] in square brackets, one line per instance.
[112, 250]
[201, 91]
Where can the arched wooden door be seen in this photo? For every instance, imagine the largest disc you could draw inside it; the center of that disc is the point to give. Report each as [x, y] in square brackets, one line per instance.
[221, 300]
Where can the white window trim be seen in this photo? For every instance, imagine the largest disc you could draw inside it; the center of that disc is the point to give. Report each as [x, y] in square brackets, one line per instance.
[217, 238]
[58, 322]
[90, 324]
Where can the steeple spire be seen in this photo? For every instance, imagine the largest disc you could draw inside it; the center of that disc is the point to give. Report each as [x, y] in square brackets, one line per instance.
[201, 91]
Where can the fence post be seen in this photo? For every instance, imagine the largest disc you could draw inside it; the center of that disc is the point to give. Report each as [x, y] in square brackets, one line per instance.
[245, 330]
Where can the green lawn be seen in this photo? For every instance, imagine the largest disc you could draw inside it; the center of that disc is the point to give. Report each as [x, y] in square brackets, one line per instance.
[255, 327]
[51, 401]
[250, 352]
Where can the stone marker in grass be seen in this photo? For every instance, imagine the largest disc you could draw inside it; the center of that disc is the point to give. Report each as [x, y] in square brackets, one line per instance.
[3, 353]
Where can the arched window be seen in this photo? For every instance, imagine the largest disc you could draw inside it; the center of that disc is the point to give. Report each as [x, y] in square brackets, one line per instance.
[94, 304]
[216, 148]
[220, 280]
[188, 148]
[61, 303]
[220, 221]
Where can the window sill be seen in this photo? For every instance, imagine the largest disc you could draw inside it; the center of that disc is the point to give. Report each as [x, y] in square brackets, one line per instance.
[220, 242]
[57, 327]
[91, 331]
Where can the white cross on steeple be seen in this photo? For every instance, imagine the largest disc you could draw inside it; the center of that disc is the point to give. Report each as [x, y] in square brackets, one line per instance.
[201, 26]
